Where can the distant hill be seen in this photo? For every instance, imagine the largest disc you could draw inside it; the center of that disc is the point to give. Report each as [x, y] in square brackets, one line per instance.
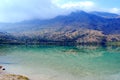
[77, 27]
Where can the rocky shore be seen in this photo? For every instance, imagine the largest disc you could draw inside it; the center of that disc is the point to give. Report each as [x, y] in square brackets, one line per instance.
[8, 76]
[12, 77]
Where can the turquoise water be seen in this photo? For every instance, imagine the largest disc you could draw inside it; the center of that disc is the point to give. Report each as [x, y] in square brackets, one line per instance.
[62, 62]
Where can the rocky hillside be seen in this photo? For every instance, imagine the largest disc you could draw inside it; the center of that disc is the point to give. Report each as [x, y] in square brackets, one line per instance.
[77, 27]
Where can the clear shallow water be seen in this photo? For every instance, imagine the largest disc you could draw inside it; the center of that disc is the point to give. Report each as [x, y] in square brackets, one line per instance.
[62, 62]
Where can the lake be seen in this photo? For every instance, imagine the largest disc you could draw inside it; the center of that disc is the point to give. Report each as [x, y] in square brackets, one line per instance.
[49, 62]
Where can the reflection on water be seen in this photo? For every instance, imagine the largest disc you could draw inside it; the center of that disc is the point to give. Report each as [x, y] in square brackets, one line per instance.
[78, 62]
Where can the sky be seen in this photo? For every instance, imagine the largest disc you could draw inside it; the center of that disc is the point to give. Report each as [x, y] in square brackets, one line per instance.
[20, 10]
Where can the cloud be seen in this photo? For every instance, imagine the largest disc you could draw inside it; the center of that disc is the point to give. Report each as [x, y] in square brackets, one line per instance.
[18, 10]
[115, 10]
[80, 5]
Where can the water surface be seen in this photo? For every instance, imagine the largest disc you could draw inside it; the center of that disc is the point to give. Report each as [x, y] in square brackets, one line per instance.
[62, 62]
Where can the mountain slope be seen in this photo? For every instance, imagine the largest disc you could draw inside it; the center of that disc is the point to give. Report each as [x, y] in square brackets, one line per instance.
[105, 14]
[78, 27]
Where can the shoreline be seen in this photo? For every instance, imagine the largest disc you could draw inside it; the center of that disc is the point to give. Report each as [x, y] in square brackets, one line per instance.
[67, 44]
[13, 77]
[8, 76]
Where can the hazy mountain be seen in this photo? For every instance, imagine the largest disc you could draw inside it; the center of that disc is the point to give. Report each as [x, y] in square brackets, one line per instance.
[77, 27]
[105, 14]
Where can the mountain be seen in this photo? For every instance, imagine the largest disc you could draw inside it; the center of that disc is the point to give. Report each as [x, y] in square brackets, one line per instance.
[79, 19]
[77, 27]
[106, 14]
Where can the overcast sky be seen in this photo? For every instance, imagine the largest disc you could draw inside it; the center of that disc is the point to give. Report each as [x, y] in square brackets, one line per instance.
[19, 10]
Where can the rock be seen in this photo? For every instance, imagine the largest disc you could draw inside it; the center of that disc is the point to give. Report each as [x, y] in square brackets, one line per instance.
[13, 77]
[6, 76]
[2, 69]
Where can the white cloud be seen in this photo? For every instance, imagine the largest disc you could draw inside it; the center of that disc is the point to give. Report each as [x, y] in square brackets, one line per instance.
[115, 10]
[18, 10]
[81, 5]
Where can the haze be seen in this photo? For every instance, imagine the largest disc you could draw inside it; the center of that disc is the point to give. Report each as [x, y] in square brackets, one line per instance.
[19, 10]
